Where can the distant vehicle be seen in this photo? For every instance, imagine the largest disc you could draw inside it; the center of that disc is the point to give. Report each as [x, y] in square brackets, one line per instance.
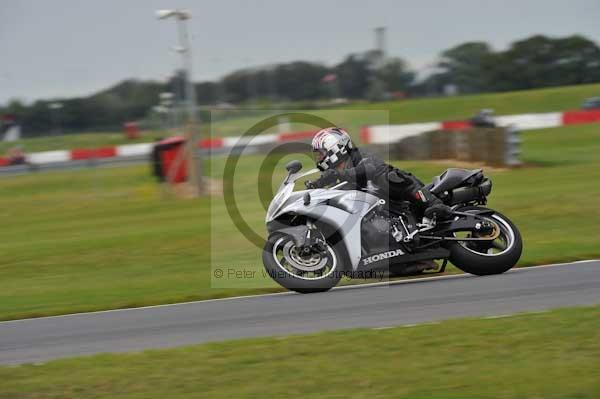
[484, 118]
[591, 103]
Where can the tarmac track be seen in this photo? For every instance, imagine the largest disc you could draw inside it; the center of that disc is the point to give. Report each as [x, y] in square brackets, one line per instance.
[372, 305]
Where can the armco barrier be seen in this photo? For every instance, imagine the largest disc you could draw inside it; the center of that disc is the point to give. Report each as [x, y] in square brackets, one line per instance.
[378, 134]
[385, 134]
[585, 116]
[456, 125]
[143, 149]
[104, 152]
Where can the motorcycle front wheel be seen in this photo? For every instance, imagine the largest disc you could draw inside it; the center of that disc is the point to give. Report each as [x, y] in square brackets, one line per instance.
[296, 271]
[488, 257]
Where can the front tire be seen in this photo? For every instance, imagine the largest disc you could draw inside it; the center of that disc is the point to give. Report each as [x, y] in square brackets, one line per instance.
[302, 274]
[484, 259]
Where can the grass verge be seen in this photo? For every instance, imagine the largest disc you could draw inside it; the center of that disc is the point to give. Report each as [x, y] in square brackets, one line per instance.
[108, 238]
[546, 355]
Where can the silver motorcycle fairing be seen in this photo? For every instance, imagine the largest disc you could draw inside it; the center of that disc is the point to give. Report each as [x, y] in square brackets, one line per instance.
[345, 215]
[285, 194]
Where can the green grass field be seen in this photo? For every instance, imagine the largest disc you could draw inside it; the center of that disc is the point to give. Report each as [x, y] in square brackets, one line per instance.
[460, 107]
[553, 355]
[356, 115]
[110, 238]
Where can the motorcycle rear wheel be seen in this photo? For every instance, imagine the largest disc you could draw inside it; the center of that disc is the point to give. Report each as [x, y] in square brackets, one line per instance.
[481, 258]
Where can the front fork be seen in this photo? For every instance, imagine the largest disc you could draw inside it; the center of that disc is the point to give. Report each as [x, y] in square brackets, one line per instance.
[314, 241]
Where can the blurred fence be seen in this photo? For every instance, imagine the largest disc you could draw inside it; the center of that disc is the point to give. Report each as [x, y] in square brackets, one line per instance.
[429, 140]
[492, 146]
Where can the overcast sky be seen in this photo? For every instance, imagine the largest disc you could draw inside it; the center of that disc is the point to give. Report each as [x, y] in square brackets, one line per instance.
[62, 48]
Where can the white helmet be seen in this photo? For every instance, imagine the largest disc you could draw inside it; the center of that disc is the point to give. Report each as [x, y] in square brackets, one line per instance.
[332, 146]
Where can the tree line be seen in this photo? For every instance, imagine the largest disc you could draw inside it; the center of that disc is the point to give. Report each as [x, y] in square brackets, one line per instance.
[472, 67]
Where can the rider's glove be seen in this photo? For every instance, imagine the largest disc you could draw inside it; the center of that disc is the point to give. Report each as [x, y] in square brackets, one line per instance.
[328, 177]
[310, 184]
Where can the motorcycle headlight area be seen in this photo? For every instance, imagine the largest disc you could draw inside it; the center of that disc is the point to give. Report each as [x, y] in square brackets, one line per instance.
[276, 204]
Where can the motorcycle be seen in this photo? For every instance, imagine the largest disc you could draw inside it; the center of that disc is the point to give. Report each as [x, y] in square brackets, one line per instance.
[318, 236]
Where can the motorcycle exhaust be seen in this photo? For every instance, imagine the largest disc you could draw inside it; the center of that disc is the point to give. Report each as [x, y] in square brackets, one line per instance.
[467, 194]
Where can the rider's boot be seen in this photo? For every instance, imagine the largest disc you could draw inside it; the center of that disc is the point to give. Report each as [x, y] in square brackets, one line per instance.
[434, 207]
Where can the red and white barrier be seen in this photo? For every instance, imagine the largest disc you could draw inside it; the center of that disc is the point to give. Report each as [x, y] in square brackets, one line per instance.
[378, 134]
[48, 157]
[531, 121]
[129, 150]
[383, 134]
[583, 116]
[87, 153]
[142, 149]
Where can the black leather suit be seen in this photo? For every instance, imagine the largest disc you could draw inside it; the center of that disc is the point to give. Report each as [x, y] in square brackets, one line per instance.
[367, 172]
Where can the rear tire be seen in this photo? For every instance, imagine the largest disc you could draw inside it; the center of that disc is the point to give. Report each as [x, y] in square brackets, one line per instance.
[293, 279]
[482, 264]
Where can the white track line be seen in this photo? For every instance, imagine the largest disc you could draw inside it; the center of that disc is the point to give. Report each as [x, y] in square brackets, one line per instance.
[344, 287]
[463, 275]
[498, 316]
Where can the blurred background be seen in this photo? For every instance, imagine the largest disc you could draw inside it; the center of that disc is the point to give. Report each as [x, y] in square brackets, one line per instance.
[117, 120]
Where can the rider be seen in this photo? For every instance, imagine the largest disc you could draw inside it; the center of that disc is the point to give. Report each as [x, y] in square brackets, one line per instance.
[339, 160]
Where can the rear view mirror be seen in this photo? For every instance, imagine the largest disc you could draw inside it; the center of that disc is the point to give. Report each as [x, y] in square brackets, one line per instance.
[293, 166]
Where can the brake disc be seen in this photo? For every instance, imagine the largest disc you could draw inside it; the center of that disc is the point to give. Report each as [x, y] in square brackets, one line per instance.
[313, 262]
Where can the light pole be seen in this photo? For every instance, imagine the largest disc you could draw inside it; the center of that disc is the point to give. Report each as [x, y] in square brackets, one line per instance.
[191, 134]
